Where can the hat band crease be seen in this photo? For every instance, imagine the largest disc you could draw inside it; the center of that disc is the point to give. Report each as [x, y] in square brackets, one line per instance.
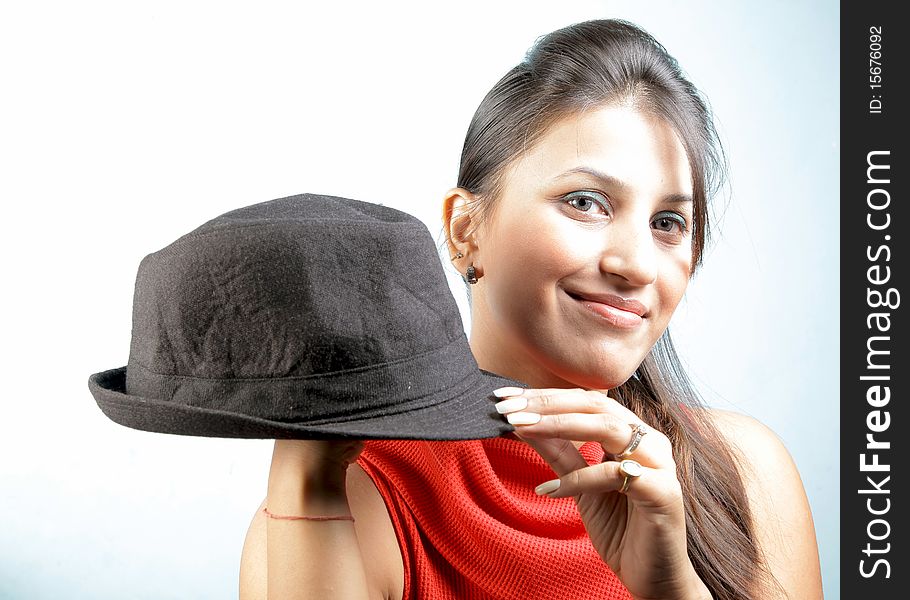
[390, 388]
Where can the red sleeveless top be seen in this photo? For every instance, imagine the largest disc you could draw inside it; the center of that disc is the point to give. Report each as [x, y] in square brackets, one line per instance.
[471, 527]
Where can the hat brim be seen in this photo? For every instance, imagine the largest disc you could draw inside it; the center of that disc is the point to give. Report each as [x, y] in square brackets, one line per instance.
[470, 415]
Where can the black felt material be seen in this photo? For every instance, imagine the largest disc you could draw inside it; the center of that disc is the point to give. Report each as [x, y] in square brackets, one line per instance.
[310, 316]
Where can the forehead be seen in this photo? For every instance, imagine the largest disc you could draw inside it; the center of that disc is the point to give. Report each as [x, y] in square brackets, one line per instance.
[639, 149]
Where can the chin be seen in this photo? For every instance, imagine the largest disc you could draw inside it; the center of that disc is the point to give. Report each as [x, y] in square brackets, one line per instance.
[602, 365]
[597, 379]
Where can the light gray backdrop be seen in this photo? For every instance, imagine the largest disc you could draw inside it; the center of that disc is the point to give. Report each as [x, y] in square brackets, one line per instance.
[125, 125]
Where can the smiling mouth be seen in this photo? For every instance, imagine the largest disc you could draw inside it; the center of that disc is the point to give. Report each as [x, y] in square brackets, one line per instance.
[605, 309]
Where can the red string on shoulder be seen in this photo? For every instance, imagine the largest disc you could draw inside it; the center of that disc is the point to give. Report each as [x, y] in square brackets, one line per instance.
[272, 515]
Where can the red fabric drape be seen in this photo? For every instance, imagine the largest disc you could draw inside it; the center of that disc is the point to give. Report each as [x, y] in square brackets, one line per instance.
[472, 527]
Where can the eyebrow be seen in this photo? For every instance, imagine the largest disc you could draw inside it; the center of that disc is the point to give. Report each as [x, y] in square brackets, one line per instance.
[614, 182]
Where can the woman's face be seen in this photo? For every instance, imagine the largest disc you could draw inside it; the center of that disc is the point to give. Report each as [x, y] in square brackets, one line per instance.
[586, 254]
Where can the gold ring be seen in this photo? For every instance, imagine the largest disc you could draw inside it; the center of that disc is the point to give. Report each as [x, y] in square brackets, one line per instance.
[630, 470]
[638, 432]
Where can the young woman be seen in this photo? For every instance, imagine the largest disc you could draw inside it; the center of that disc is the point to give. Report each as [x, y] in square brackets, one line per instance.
[579, 216]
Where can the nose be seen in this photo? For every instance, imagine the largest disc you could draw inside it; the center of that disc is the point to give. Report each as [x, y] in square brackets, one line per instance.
[630, 253]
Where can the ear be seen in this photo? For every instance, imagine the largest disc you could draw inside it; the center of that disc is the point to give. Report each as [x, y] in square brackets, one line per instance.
[459, 210]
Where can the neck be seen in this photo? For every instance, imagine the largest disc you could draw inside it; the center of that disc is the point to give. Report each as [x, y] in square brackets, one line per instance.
[496, 351]
[488, 343]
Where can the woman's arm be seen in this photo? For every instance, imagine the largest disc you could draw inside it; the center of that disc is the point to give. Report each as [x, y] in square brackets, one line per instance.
[309, 559]
[316, 559]
[780, 510]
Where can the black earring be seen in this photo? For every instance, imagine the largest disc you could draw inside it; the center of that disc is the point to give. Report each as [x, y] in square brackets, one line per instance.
[471, 274]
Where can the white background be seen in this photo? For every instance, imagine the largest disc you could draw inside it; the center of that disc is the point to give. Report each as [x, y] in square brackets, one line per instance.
[124, 125]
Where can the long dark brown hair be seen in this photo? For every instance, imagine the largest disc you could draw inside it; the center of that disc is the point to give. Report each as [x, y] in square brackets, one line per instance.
[604, 62]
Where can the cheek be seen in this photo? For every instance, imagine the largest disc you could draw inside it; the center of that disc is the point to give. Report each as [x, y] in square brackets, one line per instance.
[530, 249]
[525, 263]
[673, 281]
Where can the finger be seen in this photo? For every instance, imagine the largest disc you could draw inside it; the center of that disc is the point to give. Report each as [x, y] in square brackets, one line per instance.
[551, 401]
[526, 407]
[613, 433]
[558, 400]
[562, 455]
[654, 488]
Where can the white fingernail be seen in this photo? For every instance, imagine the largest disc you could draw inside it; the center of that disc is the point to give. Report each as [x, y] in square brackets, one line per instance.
[547, 487]
[523, 418]
[507, 391]
[511, 405]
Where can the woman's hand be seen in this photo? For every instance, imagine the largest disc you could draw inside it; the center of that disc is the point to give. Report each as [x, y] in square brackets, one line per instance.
[640, 534]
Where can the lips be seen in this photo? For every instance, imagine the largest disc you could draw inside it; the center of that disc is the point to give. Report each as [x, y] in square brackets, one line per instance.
[624, 313]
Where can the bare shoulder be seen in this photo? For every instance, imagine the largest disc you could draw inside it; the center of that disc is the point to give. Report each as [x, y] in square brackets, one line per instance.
[739, 423]
[757, 443]
[375, 533]
[771, 478]
[378, 542]
[780, 509]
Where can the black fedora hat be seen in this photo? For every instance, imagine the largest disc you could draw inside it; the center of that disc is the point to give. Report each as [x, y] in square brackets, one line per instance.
[305, 317]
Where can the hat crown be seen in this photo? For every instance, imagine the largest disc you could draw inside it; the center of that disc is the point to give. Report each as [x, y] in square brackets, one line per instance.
[296, 287]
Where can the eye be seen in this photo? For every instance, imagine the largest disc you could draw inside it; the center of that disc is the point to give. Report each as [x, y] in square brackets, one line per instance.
[588, 202]
[670, 223]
